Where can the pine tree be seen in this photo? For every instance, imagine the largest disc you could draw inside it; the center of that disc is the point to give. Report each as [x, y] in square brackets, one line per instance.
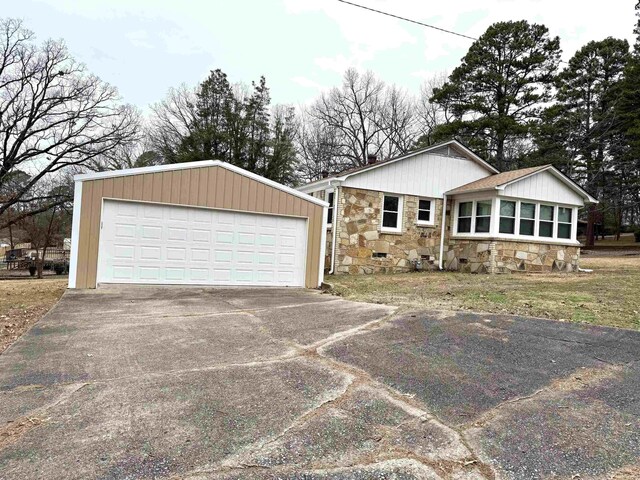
[497, 90]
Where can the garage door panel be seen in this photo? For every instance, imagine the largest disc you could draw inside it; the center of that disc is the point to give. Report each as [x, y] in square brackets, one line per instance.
[154, 243]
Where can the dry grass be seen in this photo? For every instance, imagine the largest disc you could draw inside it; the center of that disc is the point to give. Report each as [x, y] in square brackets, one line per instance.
[608, 296]
[23, 302]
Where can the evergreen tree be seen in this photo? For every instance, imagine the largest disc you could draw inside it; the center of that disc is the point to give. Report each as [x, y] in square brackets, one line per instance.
[496, 92]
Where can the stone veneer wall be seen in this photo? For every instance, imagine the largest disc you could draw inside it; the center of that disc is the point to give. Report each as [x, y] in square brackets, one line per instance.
[359, 237]
[504, 256]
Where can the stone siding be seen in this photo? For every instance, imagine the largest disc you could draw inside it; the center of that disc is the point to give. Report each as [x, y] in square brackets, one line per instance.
[504, 256]
[363, 248]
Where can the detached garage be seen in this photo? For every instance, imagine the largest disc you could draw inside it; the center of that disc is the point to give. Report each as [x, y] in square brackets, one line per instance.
[199, 223]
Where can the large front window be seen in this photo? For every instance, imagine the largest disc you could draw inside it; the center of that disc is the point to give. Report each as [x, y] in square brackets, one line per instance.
[392, 213]
[515, 219]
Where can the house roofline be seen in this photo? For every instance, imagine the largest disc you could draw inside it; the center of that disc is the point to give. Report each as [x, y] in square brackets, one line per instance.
[553, 170]
[201, 164]
[341, 177]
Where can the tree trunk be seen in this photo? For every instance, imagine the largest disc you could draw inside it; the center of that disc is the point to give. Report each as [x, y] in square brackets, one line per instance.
[591, 239]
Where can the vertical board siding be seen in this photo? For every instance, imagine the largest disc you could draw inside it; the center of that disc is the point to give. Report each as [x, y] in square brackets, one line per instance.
[544, 187]
[212, 187]
[425, 175]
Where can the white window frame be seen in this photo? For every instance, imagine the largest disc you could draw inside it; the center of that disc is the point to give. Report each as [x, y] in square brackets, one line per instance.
[472, 217]
[553, 221]
[558, 222]
[327, 194]
[398, 227]
[432, 212]
[500, 216]
[490, 216]
[495, 221]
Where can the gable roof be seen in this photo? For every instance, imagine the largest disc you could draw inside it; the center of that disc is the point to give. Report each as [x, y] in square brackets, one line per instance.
[457, 146]
[200, 164]
[501, 180]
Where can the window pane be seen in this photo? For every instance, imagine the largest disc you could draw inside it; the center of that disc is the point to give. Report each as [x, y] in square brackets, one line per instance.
[483, 209]
[507, 209]
[391, 203]
[482, 224]
[526, 227]
[424, 205]
[564, 215]
[564, 230]
[546, 229]
[464, 225]
[546, 212]
[424, 215]
[330, 209]
[528, 210]
[507, 225]
[465, 209]
[390, 220]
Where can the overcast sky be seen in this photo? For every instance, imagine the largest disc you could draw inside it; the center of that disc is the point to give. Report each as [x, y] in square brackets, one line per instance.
[301, 46]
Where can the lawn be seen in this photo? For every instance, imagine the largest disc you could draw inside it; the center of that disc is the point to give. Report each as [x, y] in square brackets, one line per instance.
[608, 296]
[23, 302]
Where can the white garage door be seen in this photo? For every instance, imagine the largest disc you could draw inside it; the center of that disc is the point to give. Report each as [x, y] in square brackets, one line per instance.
[166, 244]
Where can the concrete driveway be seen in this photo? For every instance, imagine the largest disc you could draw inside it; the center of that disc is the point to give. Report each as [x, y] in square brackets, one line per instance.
[146, 382]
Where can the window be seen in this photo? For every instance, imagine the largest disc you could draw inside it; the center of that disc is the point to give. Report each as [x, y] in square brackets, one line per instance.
[527, 218]
[564, 222]
[391, 213]
[507, 216]
[545, 224]
[483, 216]
[330, 197]
[465, 210]
[424, 212]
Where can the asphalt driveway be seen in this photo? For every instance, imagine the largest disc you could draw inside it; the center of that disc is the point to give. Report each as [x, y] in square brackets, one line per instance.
[146, 382]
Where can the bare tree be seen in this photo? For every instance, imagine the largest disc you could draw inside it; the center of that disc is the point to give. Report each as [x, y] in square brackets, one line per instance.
[431, 115]
[318, 148]
[53, 114]
[173, 119]
[367, 117]
[129, 155]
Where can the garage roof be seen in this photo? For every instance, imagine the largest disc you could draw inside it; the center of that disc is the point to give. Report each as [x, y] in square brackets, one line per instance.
[204, 163]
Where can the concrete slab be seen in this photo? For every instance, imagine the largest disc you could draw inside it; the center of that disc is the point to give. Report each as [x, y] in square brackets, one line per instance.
[158, 426]
[156, 382]
[535, 398]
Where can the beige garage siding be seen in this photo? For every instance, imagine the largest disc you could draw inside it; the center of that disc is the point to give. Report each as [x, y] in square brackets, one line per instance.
[213, 186]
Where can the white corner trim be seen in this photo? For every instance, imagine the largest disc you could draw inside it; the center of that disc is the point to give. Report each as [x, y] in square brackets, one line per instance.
[75, 233]
[201, 164]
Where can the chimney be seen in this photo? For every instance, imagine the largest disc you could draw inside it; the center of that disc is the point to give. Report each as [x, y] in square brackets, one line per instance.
[371, 159]
[324, 173]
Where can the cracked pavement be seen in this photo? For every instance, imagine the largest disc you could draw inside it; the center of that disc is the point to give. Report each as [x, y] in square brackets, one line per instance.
[201, 383]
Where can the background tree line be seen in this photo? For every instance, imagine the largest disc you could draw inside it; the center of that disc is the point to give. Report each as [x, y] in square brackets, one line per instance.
[511, 99]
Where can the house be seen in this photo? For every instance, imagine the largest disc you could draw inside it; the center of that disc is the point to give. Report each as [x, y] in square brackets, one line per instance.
[197, 223]
[445, 207]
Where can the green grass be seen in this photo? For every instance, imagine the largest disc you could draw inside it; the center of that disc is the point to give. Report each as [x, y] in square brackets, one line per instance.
[608, 296]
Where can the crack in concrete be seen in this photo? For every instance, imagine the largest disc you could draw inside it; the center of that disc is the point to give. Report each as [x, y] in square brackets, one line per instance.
[577, 380]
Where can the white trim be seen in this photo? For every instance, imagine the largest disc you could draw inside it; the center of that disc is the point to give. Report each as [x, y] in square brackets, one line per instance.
[204, 163]
[399, 223]
[432, 213]
[75, 234]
